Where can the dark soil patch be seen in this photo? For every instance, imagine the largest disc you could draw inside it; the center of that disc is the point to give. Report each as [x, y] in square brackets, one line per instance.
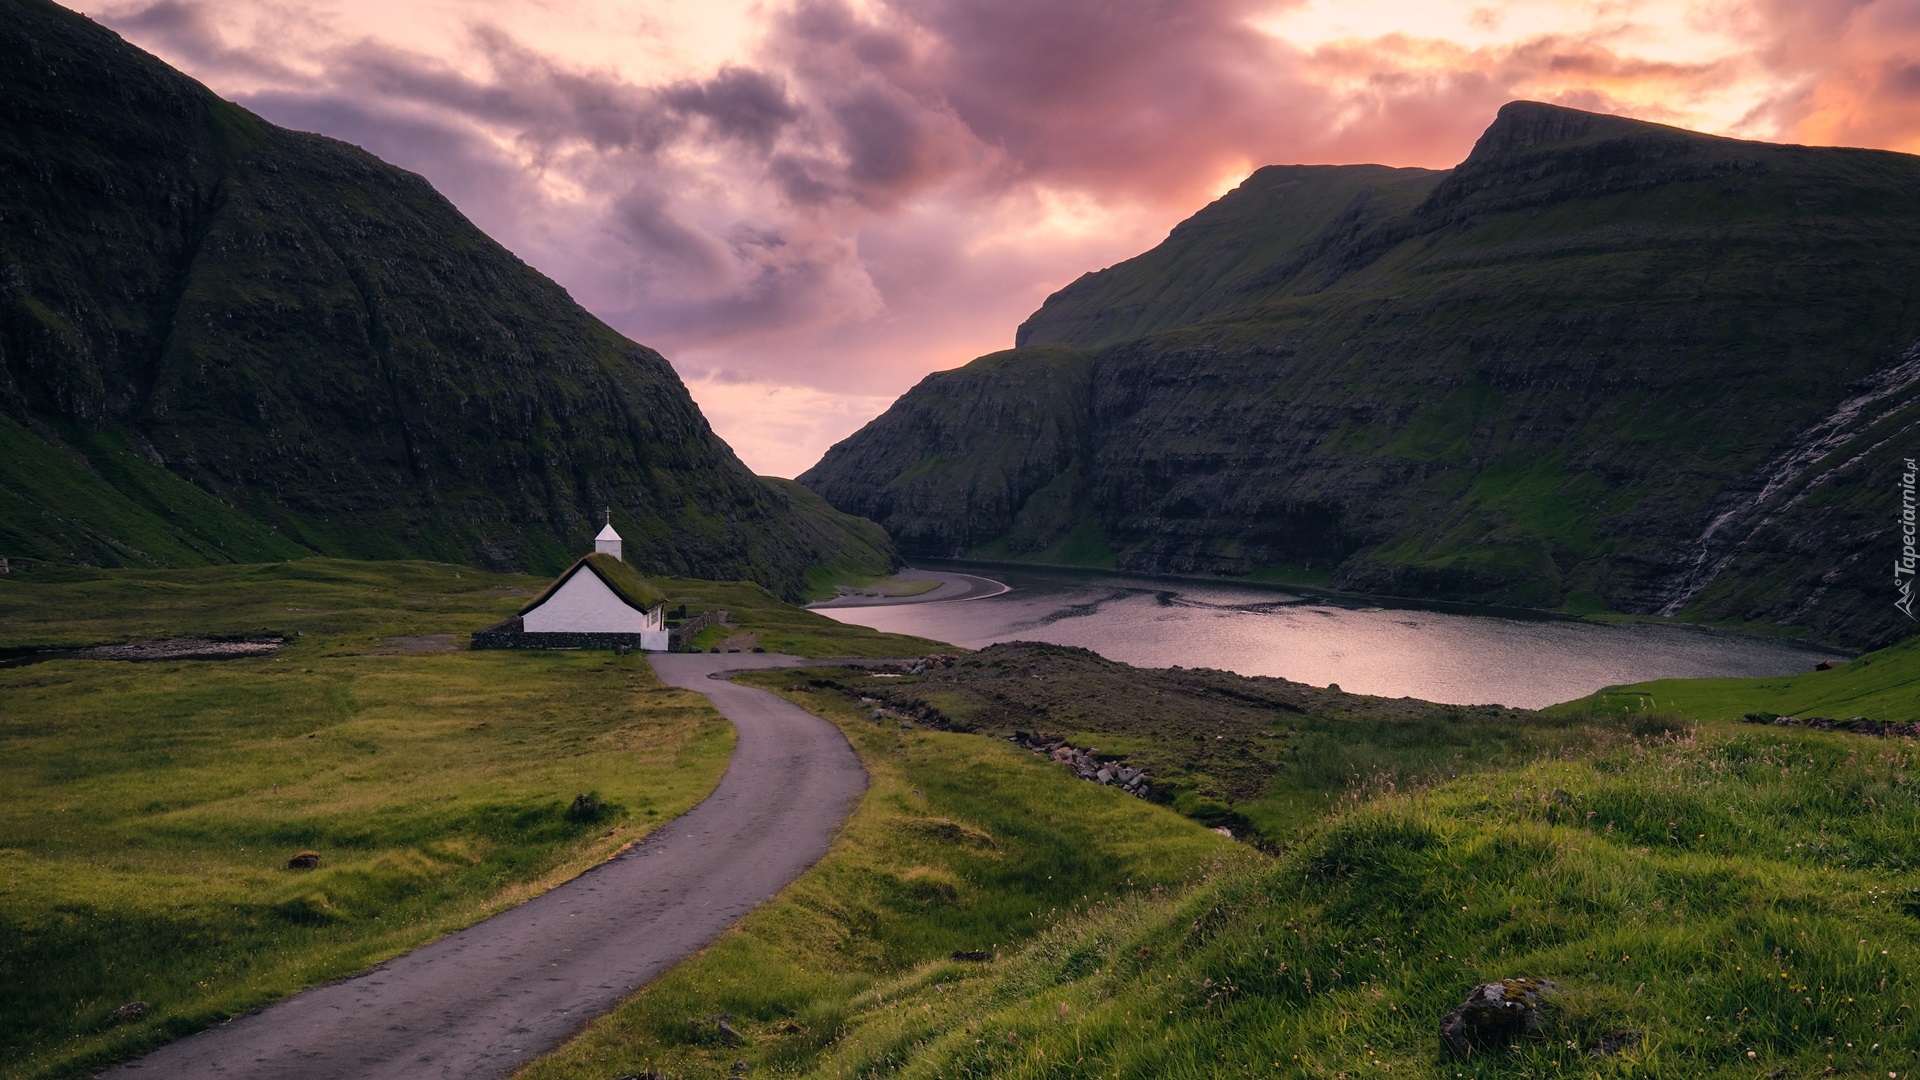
[147, 651]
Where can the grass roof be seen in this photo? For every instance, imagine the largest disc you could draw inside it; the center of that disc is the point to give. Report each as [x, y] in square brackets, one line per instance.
[624, 580]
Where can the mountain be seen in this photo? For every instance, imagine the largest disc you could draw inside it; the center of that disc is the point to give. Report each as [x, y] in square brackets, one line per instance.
[222, 340]
[1601, 365]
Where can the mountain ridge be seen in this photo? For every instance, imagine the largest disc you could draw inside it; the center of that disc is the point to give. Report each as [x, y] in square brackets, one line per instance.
[197, 299]
[1486, 384]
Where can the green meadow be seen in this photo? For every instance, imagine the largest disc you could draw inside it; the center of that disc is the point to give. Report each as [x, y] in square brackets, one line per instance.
[1883, 685]
[1727, 904]
[961, 844]
[1715, 899]
[147, 811]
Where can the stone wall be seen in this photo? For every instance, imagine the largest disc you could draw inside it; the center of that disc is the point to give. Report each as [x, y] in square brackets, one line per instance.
[690, 627]
[510, 635]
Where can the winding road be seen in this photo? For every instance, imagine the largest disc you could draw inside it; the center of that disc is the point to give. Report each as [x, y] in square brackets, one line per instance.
[484, 1001]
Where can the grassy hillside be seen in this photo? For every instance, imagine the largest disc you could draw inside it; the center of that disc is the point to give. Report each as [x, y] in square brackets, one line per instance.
[113, 506]
[1715, 899]
[996, 447]
[961, 844]
[224, 341]
[1724, 905]
[1263, 757]
[1485, 385]
[1879, 686]
[1279, 219]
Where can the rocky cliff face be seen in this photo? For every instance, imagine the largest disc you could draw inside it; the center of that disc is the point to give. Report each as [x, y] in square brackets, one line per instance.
[239, 341]
[1540, 378]
[964, 457]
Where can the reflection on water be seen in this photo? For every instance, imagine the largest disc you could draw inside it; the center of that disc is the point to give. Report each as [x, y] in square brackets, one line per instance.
[1393, 652]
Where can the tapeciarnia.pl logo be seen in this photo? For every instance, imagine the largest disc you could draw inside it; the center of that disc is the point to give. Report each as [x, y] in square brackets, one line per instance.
[1903, 567]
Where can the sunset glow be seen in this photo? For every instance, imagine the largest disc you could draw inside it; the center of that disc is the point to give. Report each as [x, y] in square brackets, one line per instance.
[808, 206]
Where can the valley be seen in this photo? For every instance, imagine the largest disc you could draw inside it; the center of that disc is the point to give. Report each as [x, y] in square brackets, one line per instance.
[1600, 366]
[1418, 583]
[222, 341]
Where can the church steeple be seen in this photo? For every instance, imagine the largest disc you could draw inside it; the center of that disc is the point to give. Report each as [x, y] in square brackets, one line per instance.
[608, 542]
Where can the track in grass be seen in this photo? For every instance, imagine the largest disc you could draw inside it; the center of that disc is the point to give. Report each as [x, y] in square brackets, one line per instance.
[482, 1002]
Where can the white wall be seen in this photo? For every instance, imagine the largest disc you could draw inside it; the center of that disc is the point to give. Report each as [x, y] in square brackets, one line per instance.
[584, 605]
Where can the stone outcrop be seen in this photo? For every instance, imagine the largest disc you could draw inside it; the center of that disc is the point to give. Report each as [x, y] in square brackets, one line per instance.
[1857, 725]
[1496, 1013]
[1087, 764]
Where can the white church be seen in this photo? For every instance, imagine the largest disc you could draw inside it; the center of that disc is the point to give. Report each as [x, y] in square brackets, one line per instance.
[597, 603]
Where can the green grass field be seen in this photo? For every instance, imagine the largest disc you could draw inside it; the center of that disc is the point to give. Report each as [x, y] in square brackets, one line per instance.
[1741, 902]
[147, 810]
[962, 843]
[1733, 900]
[1724, 899]
[1883, 685]
[1264, 757]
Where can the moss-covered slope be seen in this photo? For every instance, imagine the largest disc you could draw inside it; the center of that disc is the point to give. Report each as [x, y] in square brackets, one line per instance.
[199, 308]
[1601, 365]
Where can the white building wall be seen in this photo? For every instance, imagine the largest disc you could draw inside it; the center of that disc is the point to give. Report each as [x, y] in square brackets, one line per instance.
[584, 605]
[653, 640]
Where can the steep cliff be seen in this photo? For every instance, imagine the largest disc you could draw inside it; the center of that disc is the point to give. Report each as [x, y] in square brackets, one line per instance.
[220, 339]
[1600, 365]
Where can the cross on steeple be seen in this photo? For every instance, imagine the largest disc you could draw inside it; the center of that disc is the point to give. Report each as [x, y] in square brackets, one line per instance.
[609, 515]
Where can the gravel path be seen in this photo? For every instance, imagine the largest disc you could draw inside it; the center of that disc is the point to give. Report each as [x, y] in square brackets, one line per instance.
[483, 1002]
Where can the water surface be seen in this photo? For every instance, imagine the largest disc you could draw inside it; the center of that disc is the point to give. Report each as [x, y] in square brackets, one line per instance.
[1467, 659]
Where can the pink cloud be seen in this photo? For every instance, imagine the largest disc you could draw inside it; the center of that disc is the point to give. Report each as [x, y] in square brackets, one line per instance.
[862, 195]
[1850, 69]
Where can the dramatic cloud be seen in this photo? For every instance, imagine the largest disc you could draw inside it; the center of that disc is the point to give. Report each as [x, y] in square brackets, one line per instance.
[808, 204]
[1851, 69]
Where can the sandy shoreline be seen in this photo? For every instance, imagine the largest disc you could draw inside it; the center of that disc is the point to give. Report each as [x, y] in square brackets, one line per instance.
[953, 587]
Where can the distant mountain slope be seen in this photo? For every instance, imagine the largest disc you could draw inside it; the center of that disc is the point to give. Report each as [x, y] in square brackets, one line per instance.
[236, 341]
[1244, 245]
[1601, 365]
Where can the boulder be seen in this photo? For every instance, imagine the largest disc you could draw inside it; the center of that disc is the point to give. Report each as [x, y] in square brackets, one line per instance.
[131, 1011]
[585, 808]
[306, 860]
[1494, 1013]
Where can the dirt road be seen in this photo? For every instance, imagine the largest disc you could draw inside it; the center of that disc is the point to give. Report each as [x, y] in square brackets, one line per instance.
[482, 1002]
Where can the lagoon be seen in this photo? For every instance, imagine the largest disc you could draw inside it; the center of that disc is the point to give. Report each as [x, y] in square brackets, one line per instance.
[1447, 654]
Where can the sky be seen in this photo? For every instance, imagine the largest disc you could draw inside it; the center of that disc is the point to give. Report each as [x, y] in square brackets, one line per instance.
[808, 205]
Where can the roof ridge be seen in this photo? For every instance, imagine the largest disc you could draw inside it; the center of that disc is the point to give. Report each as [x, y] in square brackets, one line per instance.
[608, 576]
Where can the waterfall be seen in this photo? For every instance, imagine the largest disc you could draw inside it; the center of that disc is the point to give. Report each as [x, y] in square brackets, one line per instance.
[1745, 513]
